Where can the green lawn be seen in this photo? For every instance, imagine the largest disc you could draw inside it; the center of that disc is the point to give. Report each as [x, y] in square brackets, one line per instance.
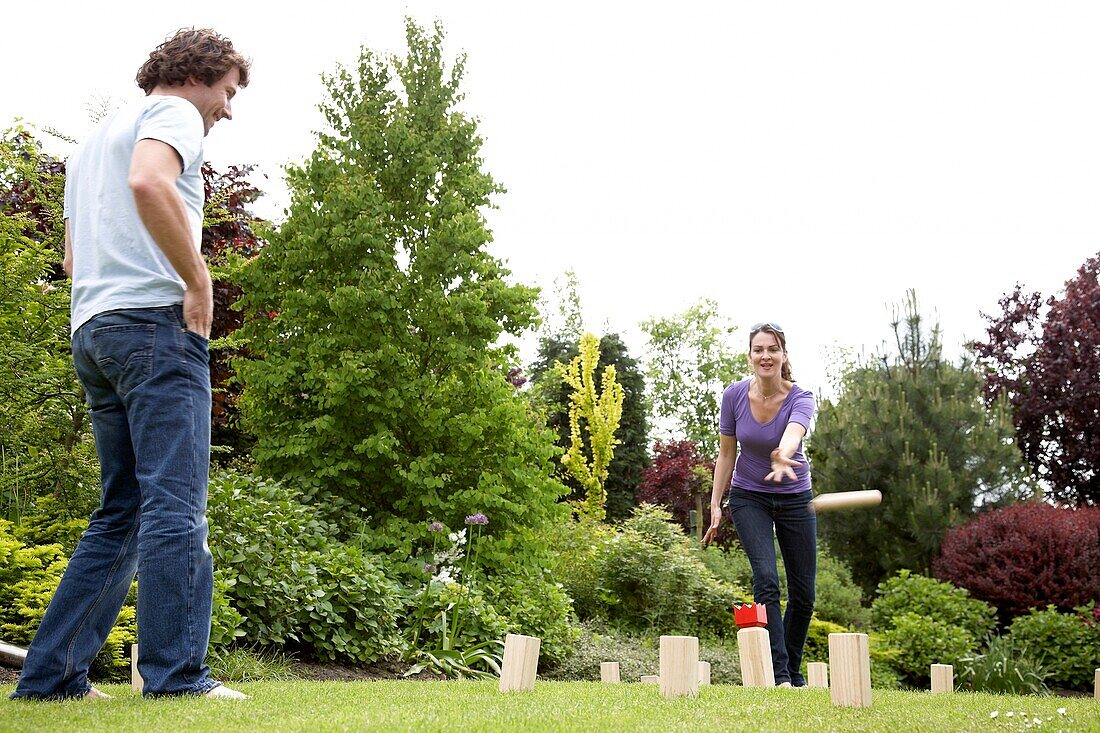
[554, 706]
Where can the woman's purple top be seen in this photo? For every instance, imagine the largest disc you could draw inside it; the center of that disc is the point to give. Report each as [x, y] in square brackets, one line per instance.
[757, 441]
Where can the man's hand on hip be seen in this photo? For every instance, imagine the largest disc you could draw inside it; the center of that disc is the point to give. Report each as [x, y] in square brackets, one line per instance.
[198, 308]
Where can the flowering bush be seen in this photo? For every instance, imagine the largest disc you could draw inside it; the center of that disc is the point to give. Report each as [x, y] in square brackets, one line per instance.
[455, 630]
[1026, 556]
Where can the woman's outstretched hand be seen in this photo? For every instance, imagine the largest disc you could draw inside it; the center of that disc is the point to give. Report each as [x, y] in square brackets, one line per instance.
[782, 467]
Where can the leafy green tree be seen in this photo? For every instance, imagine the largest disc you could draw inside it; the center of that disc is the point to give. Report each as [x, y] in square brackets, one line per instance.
[691, 359]
[551, 394]
[593, 419]
[372, 382]
[914, 426]
[45, 445]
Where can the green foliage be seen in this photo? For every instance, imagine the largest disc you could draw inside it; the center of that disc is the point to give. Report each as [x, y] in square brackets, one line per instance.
[646, 576]
[594, 416]
[29, 576]
[884, 672]
[371, 382]
[536, 606]
[838, 598]
[550, 394]
[922, 641]
[925, 621]
[1002, 669]
[49, 525]
[45, 446]
[691, 358]
[636, 656]
[1067, 645]
[281, 570]
[907, 593]
[913, 426]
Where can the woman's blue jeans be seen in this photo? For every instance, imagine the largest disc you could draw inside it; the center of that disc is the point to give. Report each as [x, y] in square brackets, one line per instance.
[147, 383]
[760, 519]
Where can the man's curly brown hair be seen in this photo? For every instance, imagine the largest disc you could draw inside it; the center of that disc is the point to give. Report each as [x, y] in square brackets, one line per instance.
[199, 54]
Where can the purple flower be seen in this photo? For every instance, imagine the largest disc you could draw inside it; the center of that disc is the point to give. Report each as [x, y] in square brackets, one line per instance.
[429, 568]
[478, 518]
[435, 527]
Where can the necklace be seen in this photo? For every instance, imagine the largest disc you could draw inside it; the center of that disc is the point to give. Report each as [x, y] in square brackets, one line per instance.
[760, 391]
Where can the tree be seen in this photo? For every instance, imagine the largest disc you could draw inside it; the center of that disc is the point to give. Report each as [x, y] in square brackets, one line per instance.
[45, 445]
[594, 415]
[551, 394]
[674, 479]
[691, 359]
[914, 426]
[372, 382]
[230, 233]
[1051, 378]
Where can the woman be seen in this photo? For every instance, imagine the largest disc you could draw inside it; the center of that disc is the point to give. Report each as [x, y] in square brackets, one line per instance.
[768, 415]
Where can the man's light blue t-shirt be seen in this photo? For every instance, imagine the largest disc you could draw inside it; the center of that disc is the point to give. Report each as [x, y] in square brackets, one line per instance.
[116, 263]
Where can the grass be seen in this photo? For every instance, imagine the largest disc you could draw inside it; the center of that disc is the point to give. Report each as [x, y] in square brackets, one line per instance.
[554, 706]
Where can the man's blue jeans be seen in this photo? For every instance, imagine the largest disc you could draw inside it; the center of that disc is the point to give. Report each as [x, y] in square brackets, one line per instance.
[147, 383]
[760, 519]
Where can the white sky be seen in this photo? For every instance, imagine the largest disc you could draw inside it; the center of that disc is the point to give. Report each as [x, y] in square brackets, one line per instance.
[802, 162]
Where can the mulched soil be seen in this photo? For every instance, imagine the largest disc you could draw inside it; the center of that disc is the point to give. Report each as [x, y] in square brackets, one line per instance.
[8, 675]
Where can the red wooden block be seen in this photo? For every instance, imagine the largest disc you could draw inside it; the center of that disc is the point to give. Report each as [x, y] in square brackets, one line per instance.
[749, 615]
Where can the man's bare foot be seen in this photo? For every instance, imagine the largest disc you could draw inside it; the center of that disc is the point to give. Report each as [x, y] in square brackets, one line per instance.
[221, 692]
[94, 694]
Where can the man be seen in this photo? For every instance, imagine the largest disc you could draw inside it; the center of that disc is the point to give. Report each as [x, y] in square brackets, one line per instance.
[142, 306]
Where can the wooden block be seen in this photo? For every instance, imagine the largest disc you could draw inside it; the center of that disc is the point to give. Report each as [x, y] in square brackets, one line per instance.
[650, 679]
[943, 678]
[679, 666]
[755, 649]
[704, 673]
[136, 681]
[521, 661]
[1096, 685]
[609, 672]
[850, 666]
[817, 674]
[13, 655]
[846, 500]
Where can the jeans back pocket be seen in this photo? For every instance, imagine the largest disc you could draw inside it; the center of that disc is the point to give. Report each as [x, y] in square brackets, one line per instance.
[125, 353]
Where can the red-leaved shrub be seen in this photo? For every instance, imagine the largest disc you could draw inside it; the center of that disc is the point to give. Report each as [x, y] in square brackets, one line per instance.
[1028, 555]
[677, 473]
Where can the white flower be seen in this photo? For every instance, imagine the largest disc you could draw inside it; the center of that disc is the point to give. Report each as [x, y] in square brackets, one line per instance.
[994, 714]
[1008, 714]
[444, 576]
[1061, 711]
